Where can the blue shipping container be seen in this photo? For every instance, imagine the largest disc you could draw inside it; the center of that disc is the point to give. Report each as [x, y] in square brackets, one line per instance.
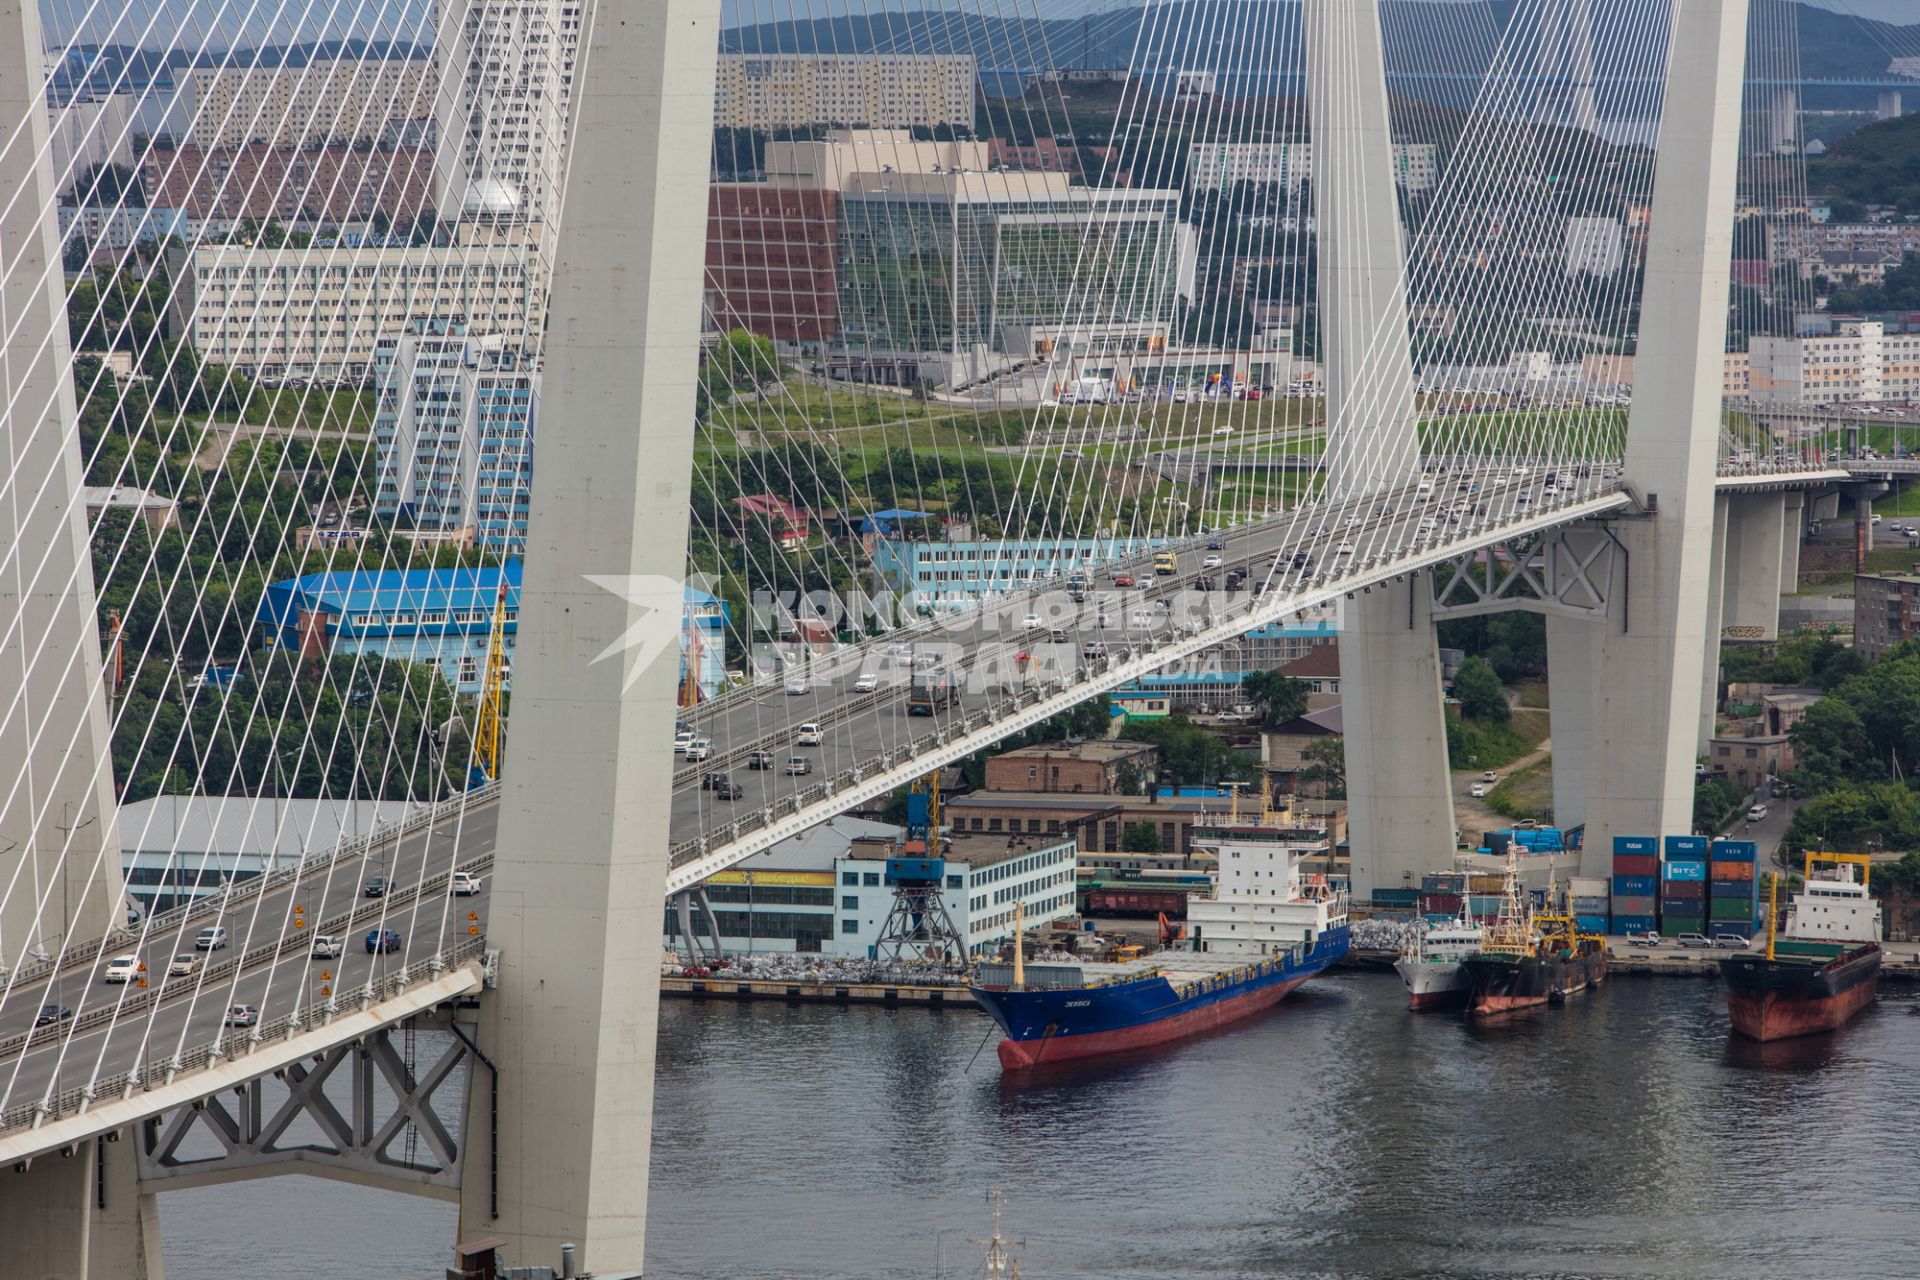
[1636, 844]
[1633, 924]
[1735, 851]
[1731, 889]
[1721, 928]
[1683, 871]
[1695, 845]
[1396, 897]
[1591, 924]
[1633, 886]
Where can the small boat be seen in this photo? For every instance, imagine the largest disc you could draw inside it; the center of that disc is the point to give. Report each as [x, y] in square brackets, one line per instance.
[1433, 965]
[1824, 970]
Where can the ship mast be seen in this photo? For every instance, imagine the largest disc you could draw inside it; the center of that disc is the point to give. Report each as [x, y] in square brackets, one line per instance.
[1000, 1265]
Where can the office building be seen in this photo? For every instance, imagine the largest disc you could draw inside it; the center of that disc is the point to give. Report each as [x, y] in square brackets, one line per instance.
[770, 91]
[1102, 767]
[825, 891]
[453, 430]
[770, 261]
[320, 311]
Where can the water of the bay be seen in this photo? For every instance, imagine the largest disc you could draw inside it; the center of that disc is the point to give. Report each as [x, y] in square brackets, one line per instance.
[1339, 1136]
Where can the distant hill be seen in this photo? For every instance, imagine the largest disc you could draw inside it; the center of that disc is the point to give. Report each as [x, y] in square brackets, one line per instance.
[1879, 164]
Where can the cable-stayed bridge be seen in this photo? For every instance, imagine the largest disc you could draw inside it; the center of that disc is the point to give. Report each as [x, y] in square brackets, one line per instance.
[277, 337]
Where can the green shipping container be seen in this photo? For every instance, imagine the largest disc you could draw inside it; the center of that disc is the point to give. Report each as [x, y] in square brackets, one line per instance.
[1670, 925]
[1732, 909]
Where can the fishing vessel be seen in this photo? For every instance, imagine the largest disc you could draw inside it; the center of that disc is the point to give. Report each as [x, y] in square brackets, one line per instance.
[1433, 964]
[1826, 967]
[1266, 928]
[1529, 959]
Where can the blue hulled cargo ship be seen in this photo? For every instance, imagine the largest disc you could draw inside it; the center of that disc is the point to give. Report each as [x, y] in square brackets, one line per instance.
[1264, 930]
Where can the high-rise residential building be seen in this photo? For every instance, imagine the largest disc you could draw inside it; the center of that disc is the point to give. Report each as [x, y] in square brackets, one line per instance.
[870, 90]
[507, 76]
[453, 432]
[331, 184]
[318, 311]
[308, 103]
[1218, 165]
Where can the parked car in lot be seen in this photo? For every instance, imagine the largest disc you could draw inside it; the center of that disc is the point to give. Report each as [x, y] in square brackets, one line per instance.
[759, 759]
[1733, 941]
[327, 947]
[379, 940]
[1489, 777]
[1692, 940]
[243, 1015]
[184, 965]
[797, 765]
[464, 884]
[1647, 939]
[1477, 790]
[211, 938]
[50, 1014]
[122, 969]
[375, 887]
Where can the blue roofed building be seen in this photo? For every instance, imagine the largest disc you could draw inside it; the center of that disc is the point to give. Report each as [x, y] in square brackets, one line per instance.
[444, 617]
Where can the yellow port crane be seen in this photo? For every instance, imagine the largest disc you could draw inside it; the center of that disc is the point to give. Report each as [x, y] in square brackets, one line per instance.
[486, 732]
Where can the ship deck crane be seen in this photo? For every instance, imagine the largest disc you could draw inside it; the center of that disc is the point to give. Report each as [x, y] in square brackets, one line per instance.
[485, 766]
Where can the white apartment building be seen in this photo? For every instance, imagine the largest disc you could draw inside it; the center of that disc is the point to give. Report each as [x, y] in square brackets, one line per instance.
[312, 104]
[1859, 361]
[453, 432]
[878, 91]
[503, 114]
[1218, 165]
[321, 311]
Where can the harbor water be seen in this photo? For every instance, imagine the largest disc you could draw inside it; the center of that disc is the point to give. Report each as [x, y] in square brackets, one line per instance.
[1337, 1137]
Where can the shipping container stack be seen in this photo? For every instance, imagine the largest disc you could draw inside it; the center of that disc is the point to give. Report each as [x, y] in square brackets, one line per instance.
[1592, 906]
[1395, 902]
[1441, 894]
[1683, 886]
[1636, 880]
[1733, 888]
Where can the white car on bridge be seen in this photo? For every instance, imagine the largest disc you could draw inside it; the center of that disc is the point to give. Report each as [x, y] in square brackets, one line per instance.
[122, 969]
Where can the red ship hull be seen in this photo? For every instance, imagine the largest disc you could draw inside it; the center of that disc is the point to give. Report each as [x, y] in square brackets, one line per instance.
[1451, 998]
[1772, 1015]
[1021, 1055]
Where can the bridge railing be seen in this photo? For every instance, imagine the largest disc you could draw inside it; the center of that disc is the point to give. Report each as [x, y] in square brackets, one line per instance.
[238, 1042]
[85, 954]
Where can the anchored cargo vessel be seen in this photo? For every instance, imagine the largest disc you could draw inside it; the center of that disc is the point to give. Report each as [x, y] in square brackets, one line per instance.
[1264, 930]
[1824, 970]
[1527, 959]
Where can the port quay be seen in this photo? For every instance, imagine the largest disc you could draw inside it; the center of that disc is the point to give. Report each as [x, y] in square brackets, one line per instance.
[1265, 570]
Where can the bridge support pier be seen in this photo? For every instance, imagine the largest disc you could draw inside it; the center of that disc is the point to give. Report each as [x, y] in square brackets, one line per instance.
[1570, 682]
[80, 1217]
[1862, 496]
[1890, 105]
[1716, 620]
[1652, 658]
[1399, 791]
[1755, 538]
[1790, 539]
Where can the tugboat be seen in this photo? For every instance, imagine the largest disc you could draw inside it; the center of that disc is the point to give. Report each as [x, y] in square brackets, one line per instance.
[1432, 965]
[1827, 967]
[1265, 929]
[1527, 959]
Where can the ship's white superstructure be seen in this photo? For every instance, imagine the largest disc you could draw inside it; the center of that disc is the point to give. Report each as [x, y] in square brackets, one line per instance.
[1431, 966]
[1834, 907]
[1262, 903]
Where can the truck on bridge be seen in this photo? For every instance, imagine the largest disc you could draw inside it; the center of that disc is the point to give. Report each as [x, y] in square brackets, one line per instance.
[930, 693]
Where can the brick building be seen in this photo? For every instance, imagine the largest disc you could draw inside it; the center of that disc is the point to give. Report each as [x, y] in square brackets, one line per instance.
[770, 261]
[1091, 768]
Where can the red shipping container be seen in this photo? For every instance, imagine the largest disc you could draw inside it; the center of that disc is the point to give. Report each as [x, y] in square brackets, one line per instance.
[1437, 904]
[1730, 872]
[1684, 889]
[1636, 864]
